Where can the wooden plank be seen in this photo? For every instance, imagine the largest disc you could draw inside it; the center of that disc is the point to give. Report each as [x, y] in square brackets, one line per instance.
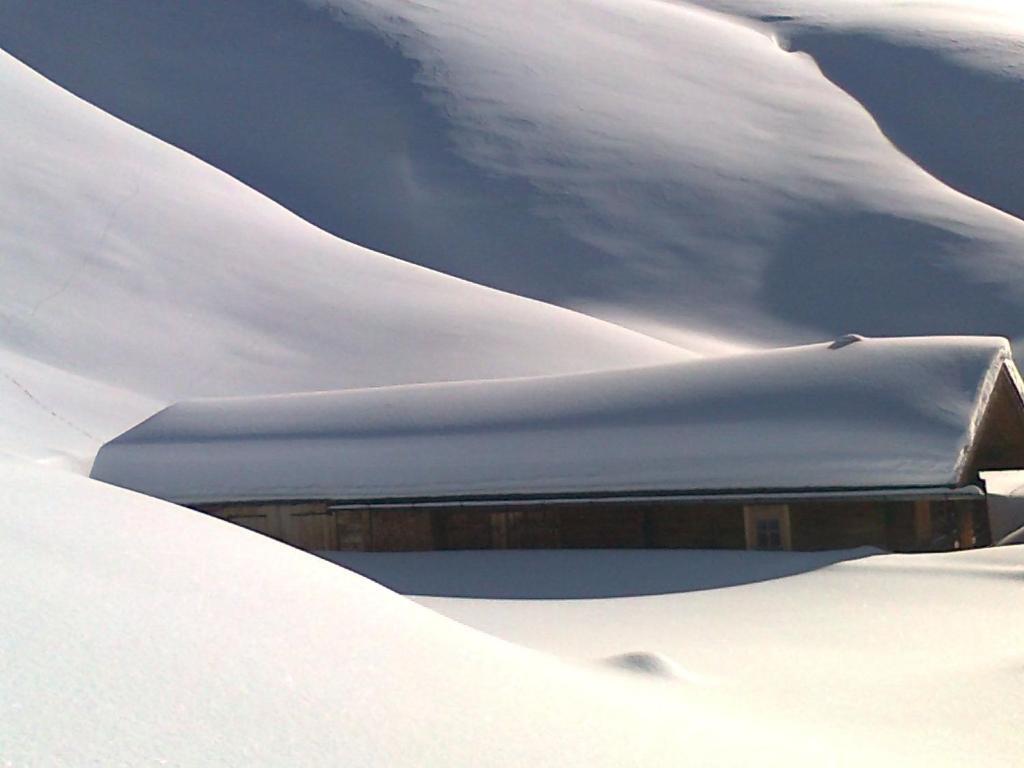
[923, 523]
[401, 530]
[837, 525]
[602, 526]
[965, 526]
[308, 525]
[900, 534]
[534, 527]
[463, 528]
[263, 518]
[982, 531]
[730, 530]
[499, 528]
[695, 526]
[258, 522]
[352, 529]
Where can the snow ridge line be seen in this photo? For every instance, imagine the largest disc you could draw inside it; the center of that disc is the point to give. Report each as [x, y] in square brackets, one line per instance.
[784, 44]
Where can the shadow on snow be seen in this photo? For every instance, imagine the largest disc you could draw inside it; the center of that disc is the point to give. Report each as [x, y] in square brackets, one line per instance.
[576, 573]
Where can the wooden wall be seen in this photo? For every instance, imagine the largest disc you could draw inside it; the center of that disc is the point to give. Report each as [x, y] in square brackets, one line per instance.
[720, 526]
[999, 441]
[309, 525]
[898, 526]
[838, 525]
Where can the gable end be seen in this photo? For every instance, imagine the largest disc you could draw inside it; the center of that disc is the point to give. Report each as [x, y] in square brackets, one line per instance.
[999, 440]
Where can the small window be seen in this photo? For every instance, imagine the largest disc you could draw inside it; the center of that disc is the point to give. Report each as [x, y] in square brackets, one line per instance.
[767, 526]
[769, 534]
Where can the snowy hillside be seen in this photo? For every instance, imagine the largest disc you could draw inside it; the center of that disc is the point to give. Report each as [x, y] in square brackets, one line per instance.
[943, 80]
[653, 163]
[133, 274]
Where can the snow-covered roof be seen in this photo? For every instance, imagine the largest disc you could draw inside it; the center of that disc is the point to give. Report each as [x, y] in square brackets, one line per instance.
[870, 413]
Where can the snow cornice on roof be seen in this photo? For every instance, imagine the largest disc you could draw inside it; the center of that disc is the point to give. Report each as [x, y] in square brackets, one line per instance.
[874, 414]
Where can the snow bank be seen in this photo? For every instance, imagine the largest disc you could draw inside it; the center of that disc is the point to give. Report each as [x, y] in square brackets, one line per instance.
[135, 632]
[905, 410]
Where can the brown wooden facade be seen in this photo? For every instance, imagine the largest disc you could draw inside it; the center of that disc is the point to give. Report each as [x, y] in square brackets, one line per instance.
[902, 525]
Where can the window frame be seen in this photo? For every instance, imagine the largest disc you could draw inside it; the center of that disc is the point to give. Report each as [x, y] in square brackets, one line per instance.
[756, 514]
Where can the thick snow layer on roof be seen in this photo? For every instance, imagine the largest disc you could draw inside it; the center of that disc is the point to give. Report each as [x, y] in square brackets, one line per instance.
[874, 413]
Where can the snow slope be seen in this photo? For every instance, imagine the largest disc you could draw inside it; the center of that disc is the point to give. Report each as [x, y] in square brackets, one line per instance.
[650, 162]
[944, 81]
[906, 411]
[139, 633]
[133, 274]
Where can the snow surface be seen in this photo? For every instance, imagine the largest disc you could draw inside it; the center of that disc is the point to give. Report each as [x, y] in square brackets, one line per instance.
[943, 80]
[132, 275]
[1005, 492]
[877, 413]
[654, 163]
[578, 574]
[139, 633]
[918, 656]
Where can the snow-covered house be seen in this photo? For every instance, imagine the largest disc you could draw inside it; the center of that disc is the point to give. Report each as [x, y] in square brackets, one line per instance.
[861, 441]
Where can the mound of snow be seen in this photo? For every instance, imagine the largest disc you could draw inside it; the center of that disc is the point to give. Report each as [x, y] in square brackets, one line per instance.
[651, 664]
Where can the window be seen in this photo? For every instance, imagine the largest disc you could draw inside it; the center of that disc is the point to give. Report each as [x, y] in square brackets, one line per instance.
[767, 526]
[769, 534]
